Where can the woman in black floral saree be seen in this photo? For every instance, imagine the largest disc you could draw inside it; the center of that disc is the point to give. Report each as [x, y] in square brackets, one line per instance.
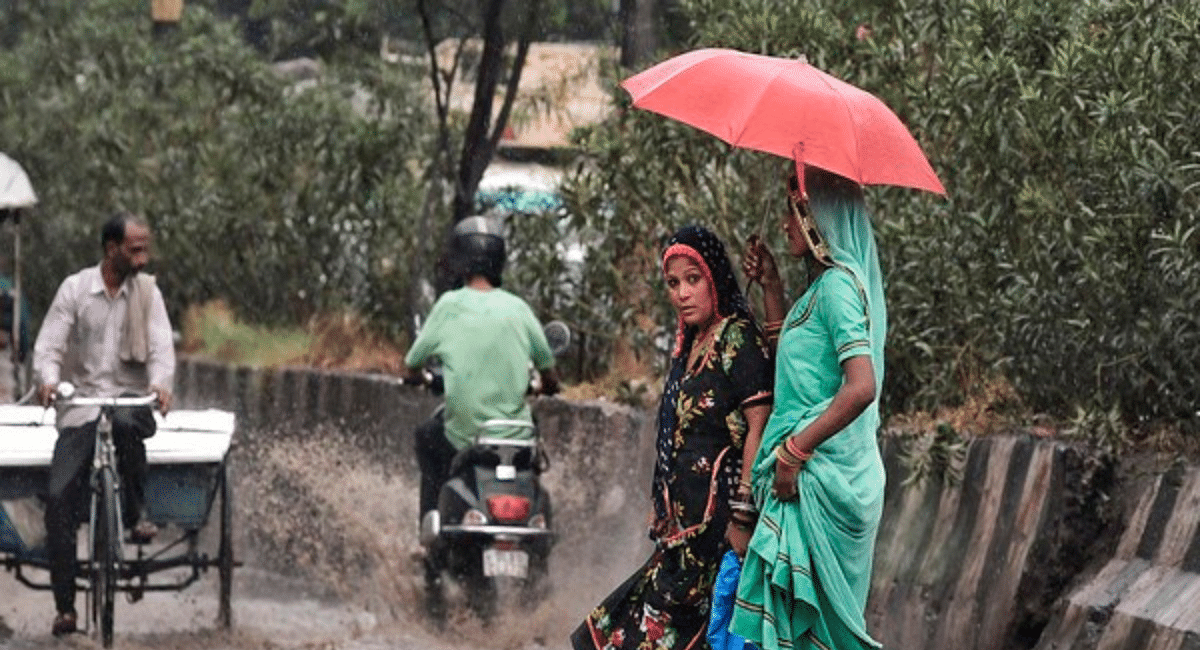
[715, 402]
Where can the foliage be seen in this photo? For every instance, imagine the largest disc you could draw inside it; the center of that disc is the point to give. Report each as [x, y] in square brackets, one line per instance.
[1106, 430]
[335, 29]
[211, 331]
[938, 455]
[284, 200]
[318, 28]
[1071, 208]
[1064, 258]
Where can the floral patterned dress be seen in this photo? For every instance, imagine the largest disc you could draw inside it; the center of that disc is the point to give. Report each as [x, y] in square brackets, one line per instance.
[665, 604]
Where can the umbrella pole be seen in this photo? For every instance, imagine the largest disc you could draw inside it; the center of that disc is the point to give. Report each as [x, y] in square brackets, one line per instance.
[762, 227]
[759, 233]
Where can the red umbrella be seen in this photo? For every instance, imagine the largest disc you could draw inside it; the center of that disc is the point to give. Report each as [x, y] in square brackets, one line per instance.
[788, 108]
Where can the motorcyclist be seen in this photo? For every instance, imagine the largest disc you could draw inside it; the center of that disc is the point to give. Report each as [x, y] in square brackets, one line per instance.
[486, 339]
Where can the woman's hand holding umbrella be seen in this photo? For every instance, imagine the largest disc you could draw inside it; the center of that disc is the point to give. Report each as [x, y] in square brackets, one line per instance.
[759, 266]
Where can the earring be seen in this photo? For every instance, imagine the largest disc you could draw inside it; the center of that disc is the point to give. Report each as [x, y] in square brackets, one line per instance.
[808, 228]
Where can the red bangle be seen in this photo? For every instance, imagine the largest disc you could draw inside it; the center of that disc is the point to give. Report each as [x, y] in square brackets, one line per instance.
[793, 448]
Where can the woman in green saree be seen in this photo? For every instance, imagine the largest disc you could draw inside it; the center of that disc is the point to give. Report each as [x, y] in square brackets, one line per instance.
[818, 478]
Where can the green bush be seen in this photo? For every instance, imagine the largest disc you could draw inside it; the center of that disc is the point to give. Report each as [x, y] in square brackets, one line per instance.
[284, 200]
[1064, 259]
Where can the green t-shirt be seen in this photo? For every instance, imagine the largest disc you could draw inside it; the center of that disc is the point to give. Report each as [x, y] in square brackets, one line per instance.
[486, 341]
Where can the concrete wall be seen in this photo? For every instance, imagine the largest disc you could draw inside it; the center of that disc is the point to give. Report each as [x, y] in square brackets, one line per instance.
[1039, 545]
[1147, 593]
[981, 564]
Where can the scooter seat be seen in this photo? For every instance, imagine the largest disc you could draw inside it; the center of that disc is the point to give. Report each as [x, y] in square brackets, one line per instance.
[486, 456]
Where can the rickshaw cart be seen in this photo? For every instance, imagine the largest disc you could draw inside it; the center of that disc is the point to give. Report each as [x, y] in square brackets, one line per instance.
[187, 474]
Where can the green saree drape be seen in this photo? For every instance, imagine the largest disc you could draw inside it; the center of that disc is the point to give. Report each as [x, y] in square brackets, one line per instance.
[807, 572]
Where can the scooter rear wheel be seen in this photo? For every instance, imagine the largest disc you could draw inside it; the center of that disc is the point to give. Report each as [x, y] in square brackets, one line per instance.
[481, 590]
[536, 585]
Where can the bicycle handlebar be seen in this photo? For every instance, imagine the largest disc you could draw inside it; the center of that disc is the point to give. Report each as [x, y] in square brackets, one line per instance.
[142, 400]
[65, 396]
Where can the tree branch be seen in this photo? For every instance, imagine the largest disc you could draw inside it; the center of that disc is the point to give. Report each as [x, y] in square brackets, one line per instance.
[528, 28]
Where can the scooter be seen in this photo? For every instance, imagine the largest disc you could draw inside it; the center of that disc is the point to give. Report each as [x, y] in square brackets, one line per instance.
[493, 525]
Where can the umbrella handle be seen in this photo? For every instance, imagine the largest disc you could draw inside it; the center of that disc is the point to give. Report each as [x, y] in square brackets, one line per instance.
[762, 226]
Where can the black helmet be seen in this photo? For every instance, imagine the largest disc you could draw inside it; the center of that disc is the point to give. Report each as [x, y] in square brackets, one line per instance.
[478, 249]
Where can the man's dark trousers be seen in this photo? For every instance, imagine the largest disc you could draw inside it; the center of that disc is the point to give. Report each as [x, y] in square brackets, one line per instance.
[434, 455]
[67, 503]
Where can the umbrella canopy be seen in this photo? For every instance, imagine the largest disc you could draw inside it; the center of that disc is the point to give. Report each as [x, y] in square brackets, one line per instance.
[788, 108]
[15, 189]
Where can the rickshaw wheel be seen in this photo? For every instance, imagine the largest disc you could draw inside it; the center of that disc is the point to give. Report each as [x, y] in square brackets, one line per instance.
[105, 557]
[225, 553]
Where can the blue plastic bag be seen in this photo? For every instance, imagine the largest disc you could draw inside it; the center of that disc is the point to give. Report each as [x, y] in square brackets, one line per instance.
[724, 593]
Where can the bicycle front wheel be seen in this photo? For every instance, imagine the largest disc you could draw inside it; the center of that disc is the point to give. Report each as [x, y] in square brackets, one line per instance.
[106, 555]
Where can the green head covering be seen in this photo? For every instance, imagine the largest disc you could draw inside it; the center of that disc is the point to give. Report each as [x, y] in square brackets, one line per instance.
[838, 206]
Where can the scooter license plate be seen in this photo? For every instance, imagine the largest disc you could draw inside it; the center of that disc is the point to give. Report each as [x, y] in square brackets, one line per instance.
[497, 562]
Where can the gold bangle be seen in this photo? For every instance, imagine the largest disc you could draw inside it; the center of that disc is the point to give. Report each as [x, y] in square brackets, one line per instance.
[786, 458]
[791, 454]
[742, 506]
[744, 516]
[782, 453]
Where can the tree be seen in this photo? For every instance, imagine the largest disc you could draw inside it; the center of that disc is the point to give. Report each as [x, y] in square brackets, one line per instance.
[304, 192]
[498, 24]
[483, 129]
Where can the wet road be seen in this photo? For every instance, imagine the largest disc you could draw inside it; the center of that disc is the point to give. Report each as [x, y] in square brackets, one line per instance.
[327, 539]
[270, 613]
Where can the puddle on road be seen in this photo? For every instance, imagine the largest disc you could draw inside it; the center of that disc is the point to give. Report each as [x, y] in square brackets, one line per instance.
[345, 523]
[328, 539]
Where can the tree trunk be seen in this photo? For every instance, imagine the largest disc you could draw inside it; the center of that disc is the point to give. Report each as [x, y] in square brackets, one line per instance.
[477, 150]
[638, 38]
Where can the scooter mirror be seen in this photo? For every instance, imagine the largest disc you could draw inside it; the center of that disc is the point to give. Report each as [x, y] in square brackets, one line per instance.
[558, 335]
